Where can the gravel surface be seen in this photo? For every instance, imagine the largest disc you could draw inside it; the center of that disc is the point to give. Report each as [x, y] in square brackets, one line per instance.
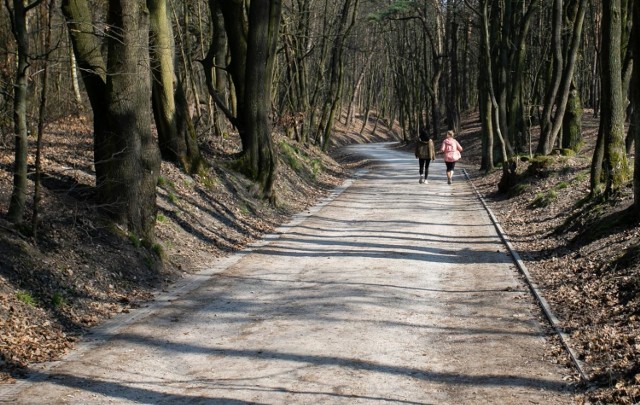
[388, 292]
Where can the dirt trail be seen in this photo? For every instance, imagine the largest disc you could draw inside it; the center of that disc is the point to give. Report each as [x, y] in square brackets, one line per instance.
[392, 292]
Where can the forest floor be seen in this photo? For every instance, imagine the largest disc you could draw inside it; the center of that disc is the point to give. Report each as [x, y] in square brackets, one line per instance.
[77, 271]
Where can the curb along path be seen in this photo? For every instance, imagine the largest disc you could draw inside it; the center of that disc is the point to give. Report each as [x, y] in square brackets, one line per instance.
[544, 305]
[390, 291]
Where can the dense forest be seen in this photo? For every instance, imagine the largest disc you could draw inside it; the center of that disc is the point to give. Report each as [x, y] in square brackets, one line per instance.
[192, 70]
[195, 68]
[160, 81]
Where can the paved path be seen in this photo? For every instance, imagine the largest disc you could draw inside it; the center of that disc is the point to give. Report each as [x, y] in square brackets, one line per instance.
[392, 292]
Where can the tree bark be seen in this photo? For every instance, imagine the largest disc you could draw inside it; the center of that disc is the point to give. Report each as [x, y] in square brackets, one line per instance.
[42, 115]
[615, 166]
[19, 193]
[544, 145]
[237, 27]
[486, 108]
[176, 134]
[548, 138]
[86, 47]
[516, 110]
[128, 193]
[572, 123]
[337, 70]
[264, 23]
[213, 64]
[635, 100]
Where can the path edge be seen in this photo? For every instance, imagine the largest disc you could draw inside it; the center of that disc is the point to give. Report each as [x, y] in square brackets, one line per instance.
[542, 302]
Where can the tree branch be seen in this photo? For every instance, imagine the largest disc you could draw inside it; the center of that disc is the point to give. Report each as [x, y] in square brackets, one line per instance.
[32, 5]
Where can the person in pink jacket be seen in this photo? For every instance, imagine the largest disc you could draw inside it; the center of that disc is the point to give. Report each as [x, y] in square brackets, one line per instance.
[451, 149]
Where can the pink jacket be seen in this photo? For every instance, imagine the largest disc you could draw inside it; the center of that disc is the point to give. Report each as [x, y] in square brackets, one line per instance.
[451, 149]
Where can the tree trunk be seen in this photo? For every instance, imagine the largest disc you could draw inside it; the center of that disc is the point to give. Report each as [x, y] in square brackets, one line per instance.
[86, 47]
[213, 64]
[218, 54]
[544, 145]
[635, 100]
[236, 26]
[42, 115]
[264, 23]
[596, 177]
[453, 105]
[567, 76]
[19, 193]
[572, 123]
[74, 78]
[508, 172]
[486, 109]
[337, 70]
[615, 166]
[516, 122]
[503, 67]
[176, 134]
[129, 190]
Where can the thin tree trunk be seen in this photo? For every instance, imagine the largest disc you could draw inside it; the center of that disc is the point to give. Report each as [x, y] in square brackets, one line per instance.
[337, 71]
[567, 77]
[544, 145]
[19, 28]
[74, 78]
[516, 105]
[41, 123]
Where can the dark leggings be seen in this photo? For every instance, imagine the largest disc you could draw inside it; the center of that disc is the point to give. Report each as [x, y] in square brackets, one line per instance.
[450, 166]
[424, 167]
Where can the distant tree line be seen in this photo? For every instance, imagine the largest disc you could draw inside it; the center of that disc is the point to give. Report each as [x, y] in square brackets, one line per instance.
[197, 69]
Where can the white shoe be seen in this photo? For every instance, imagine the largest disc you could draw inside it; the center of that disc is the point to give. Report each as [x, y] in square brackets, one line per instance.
[426, 181]
[420, 180]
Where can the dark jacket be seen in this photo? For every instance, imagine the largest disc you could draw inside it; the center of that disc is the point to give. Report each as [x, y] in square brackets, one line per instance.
[425, 150]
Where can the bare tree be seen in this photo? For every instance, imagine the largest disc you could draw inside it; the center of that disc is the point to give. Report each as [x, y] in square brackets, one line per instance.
[18, 16]
[559, 92]
[252, 35]
[128, 192]
[609, 165]
[176, 133]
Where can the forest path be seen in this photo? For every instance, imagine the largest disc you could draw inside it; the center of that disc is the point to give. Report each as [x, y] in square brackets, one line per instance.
[391, 292]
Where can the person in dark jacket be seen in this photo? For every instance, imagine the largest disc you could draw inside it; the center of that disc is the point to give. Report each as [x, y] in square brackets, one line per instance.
[425, 152]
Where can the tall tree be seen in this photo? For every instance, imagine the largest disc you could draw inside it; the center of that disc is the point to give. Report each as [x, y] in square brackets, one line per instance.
[609, 165]
[252, 35]
[93, 67]
[336, 71]
[213, 63]
[125, 154]
[19, 29]
[264, 26]
[635, 100]
[560, 91]
[129, 189]
[176, 133]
